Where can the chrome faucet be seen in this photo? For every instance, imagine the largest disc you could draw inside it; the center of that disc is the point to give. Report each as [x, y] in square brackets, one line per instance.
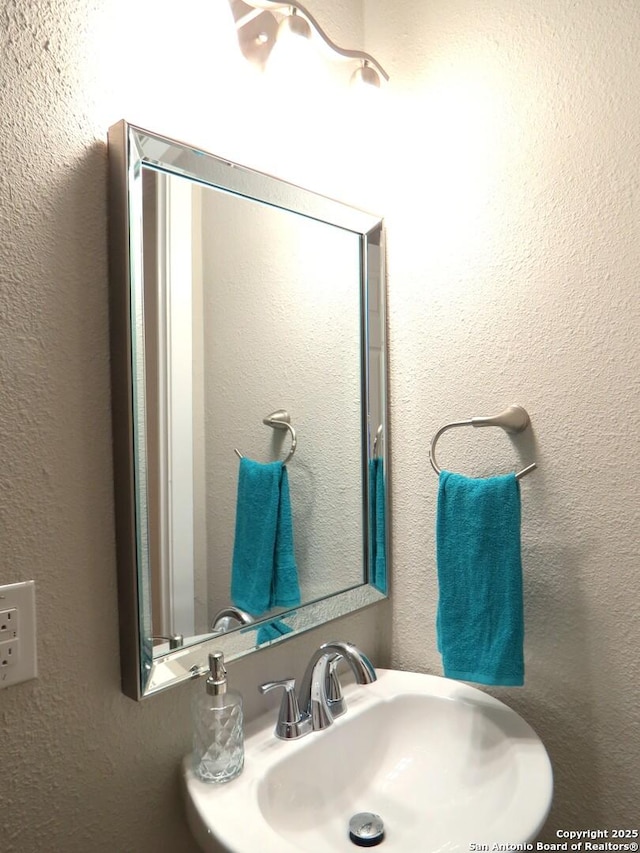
[319, 698]
[320, 672]
[229, 618]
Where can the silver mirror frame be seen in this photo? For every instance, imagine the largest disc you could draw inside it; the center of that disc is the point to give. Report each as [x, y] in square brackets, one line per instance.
[131, 148]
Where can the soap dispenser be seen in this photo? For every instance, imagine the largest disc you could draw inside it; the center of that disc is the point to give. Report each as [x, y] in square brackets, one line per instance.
[218, 734]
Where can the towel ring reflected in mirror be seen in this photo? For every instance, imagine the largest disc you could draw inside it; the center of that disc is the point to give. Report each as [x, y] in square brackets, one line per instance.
[279, 419]
[376, 440]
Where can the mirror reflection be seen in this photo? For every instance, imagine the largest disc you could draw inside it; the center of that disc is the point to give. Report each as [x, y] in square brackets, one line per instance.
[241, 327]
[257, 397]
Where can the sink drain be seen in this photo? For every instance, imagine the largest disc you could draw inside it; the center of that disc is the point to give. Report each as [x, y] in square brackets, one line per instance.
[366, 829]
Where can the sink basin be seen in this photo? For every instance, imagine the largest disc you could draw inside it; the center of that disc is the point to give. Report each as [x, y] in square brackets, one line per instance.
[443, 764]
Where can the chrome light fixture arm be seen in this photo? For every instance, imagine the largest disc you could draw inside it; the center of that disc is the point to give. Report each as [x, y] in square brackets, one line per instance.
[296, 8]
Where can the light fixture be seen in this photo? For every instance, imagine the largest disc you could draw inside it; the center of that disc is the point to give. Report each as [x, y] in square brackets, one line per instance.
[294, 25]
[260, 23]
[365, 75]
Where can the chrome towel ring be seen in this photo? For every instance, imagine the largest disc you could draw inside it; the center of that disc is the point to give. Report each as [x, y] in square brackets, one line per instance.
[279, 419]
[513, 420]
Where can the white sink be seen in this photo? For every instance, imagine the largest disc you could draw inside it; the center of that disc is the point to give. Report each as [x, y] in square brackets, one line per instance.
[443, 764]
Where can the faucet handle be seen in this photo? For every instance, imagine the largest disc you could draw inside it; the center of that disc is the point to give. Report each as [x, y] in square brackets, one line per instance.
[291, 722]
[335, 700]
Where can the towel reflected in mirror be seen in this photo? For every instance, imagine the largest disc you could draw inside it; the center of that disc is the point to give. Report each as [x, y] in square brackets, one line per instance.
[274, 630]
[377, 522]
[264, 574]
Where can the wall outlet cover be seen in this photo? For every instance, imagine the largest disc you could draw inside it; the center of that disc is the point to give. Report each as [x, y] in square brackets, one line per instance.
[18, 660]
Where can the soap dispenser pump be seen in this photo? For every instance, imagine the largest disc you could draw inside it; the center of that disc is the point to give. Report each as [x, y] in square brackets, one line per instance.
[218, 734]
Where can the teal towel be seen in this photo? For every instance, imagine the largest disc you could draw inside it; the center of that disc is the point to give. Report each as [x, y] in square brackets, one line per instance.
[263, 572]
[480, 624]
[272, 631]
[377, 531]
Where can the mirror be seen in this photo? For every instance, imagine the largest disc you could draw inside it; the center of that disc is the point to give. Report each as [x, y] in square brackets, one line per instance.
[248, 374]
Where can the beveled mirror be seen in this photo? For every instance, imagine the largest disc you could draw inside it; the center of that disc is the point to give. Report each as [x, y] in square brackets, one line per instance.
[247, 321]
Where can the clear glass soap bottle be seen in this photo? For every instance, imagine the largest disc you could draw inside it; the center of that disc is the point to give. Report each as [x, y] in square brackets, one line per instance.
[218, 733]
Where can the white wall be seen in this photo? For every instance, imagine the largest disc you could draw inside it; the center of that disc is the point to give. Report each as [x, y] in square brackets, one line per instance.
[88, 768]
[512, 201]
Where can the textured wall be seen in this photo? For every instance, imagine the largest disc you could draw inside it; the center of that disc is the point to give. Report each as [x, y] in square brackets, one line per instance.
[86, 768]
[509, 179]
[512, 201]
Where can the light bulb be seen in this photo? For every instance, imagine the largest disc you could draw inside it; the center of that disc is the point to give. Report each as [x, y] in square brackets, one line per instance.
[365, 75]
[294, 25]
[292, 60]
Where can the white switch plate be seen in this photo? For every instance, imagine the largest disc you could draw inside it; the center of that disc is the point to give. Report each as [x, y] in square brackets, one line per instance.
[20, 597]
